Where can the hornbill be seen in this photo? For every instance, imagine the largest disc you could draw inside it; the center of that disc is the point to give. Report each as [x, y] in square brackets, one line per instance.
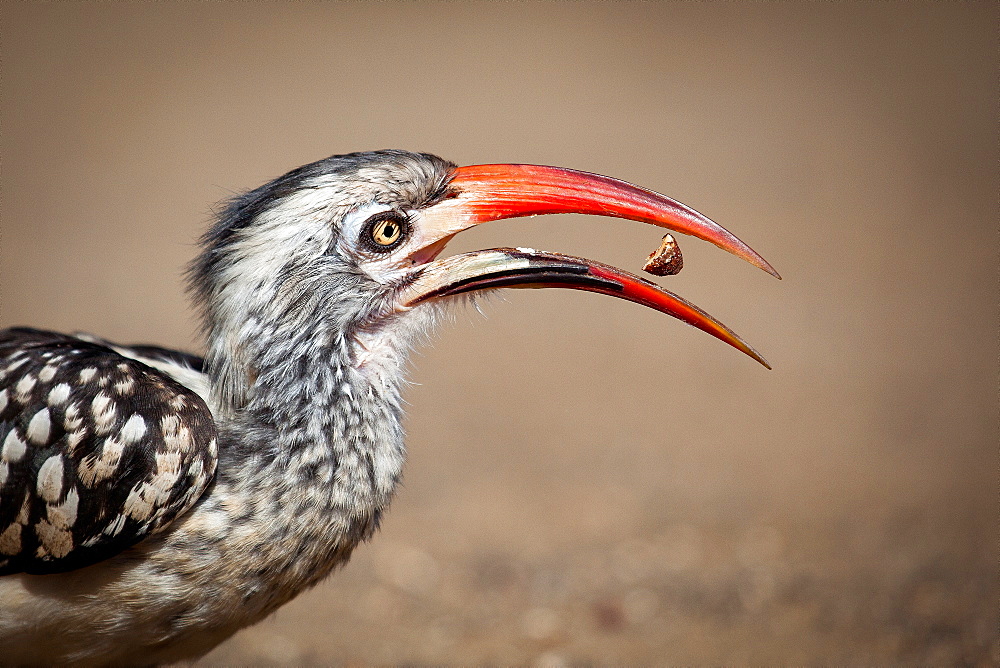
[152, 502]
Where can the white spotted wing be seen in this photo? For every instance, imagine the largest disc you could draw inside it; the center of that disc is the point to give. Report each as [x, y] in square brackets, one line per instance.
[97, 451]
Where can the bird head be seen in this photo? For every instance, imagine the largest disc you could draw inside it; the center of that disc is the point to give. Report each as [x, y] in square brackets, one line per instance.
[347, 248]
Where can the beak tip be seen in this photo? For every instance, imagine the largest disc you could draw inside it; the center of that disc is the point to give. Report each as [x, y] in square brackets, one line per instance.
[754, 258]
[744, 347]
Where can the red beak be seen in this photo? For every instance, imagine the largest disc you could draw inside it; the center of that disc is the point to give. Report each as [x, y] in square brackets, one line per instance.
[481, 193]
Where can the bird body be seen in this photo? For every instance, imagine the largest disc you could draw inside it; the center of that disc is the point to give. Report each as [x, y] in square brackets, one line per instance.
[275, 521]
[153, 503]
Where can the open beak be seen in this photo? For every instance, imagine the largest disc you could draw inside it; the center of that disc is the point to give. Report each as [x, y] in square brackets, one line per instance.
[481, 193]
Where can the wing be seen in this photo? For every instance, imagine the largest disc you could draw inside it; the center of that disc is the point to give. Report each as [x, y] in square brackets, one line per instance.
[97, 451]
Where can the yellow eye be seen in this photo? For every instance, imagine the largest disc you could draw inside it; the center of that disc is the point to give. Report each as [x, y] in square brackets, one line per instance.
[386, 232]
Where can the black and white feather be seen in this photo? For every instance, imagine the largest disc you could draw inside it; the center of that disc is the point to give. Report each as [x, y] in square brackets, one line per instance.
[98, 450]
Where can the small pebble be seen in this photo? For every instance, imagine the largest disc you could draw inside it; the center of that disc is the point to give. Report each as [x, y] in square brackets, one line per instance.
[665, 260]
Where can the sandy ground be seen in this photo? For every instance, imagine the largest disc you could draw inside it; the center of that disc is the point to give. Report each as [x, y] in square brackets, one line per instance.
[589, 482]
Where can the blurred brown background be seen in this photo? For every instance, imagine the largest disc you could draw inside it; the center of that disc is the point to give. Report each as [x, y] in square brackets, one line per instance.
[589, 482]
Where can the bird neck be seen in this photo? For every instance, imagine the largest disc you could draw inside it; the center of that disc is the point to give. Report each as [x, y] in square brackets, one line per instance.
[322, 410]
[311, 439]
[306, 467]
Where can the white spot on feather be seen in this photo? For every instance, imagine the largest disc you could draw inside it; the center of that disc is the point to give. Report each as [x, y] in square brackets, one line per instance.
[72, 421]
[137, 505]
[168, 462]
[176, 436]
[49, 482]
[73, 439]
[94, 469]
[63, 515]
[170, 424]
[57, 542]
[104, 411]
[13, 447]
[133, 429]
[15, 364]
[24, 387]
[157, 491]
[40, 427]
[47, 373]
[59, 394]
[10, 539]
[3, 399]
[87, 374]
[115, 527]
